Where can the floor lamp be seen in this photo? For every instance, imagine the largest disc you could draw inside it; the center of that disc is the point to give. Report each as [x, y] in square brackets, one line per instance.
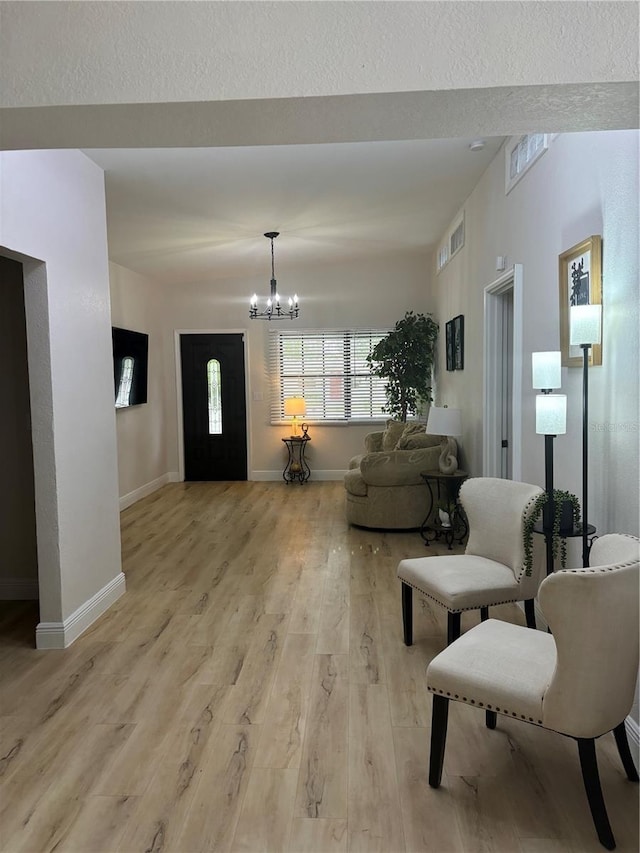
[551, 420]
[585, 322]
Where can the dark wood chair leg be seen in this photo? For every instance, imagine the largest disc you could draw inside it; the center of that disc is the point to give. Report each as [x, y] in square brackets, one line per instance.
[407, 613]
[620, 734]
[530, 612]
[591, 779]
[453, 627]
[484, 614]
[439, 719]
[491, 719]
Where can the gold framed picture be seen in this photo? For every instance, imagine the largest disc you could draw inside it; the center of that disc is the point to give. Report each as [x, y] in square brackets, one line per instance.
[580, 284]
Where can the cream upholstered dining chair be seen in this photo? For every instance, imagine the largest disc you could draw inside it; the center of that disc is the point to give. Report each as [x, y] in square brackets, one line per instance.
[491, 570]
[578, 681]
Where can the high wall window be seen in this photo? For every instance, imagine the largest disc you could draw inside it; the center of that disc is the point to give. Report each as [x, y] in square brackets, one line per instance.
[214, 396]
[452, 243]
[124, 385]
[521, 152]
[330, 370]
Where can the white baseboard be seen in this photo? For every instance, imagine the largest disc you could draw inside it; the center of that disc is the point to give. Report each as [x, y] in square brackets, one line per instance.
[19, 589]
[147, 489]
[274, 476]
[59, 635]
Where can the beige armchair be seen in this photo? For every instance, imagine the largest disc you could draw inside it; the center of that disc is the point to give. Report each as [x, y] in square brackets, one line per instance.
[383, 487]
[578, 681]
[491, 570]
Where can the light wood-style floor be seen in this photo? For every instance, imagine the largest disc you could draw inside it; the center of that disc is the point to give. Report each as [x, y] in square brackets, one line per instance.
[252, 692]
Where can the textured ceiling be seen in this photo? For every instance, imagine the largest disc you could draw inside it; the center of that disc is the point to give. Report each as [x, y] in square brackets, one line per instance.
[344, 125]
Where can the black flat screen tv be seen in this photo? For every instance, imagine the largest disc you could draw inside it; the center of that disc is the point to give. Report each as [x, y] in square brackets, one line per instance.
[130, 366]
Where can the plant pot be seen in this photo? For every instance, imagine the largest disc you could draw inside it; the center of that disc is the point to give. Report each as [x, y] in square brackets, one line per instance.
[566, 518]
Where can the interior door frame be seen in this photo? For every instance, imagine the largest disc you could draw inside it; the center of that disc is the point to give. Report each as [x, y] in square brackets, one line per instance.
[178, 360]
[491, 462]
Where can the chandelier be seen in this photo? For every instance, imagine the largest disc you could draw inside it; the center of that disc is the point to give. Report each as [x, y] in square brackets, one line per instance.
[274, 309]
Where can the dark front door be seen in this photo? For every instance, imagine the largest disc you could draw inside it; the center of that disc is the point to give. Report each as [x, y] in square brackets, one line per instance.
[214, 407]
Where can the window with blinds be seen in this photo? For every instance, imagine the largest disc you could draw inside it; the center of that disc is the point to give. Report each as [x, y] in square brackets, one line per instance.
[330, 370]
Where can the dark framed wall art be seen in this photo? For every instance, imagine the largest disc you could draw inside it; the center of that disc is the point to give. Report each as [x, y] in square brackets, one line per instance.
[458, 342]
[449, 344]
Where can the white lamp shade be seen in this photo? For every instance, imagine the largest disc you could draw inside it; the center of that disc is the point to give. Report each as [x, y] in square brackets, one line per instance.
[585, 324]
[546, 369]
[444, 421]
[294, 406]
[551, 414]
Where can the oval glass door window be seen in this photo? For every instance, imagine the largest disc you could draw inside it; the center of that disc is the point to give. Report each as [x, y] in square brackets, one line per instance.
[214, 395]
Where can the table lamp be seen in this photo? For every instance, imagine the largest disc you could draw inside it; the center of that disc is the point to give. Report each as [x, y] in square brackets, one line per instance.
[294, 406]
[446, 422]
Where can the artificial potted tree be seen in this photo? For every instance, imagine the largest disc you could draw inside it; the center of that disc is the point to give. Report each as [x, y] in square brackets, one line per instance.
[405, 359]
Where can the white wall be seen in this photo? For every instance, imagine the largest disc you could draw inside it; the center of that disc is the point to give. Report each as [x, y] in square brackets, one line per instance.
[367, 294]
[138, 303]
[53, 217]
[584, 184]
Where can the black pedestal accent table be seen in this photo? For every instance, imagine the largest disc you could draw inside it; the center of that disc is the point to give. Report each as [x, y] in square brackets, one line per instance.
[297, 467]
[538, 527]
[444, 488]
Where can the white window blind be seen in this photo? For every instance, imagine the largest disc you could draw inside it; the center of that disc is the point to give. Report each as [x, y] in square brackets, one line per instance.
[330, 370]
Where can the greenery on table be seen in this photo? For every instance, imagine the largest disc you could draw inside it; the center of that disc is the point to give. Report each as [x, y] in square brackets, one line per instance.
[558, 542]
[405, 359]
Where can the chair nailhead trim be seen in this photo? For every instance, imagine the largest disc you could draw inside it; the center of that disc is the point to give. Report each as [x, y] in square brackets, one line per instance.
[489, 708]
[459, 609]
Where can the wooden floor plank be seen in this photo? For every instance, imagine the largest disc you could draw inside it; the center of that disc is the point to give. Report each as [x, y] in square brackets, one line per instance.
[211, 821]
[318, 836]
[322, 783]
[252, 691]
[265, 820]
[365, 642]
[428, 815]
[286, 714]
[374, 803]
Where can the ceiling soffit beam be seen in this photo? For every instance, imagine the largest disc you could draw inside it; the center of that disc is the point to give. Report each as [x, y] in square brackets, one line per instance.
[502, 111]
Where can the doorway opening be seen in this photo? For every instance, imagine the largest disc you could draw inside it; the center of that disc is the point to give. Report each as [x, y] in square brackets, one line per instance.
[19, 590]
[503, 328]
